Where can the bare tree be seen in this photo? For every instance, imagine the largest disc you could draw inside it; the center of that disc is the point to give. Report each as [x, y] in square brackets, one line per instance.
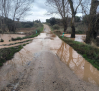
[74, 9]
[14, 9]
[65, 8]
[20, 7]
[19, 10]
[62, 8]
[4, 12]
[93, 20]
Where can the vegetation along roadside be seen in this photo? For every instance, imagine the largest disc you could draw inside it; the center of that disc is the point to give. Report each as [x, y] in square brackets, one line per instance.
[16, 43]
[31, 36]
[8, 53]
[90, 53]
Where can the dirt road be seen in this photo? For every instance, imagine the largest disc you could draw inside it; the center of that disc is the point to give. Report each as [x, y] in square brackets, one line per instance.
[37, 67]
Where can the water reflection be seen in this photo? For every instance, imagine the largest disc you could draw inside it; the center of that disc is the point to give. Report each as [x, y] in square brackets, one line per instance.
[78, 64]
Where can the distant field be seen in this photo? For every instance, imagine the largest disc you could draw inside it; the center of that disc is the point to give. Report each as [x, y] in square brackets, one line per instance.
[25, 30]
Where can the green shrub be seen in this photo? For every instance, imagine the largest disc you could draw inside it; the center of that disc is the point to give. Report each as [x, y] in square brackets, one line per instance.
[18, 38]
[2, 40]
[56, 26]
[38, 30]
[79, 32]
[27, 26]
[36, 25]
[8, 53]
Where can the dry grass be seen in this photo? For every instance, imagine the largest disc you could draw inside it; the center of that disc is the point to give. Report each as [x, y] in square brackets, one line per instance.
[25, 30]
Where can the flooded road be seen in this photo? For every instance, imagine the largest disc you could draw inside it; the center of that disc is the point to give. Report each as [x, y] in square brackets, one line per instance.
[48, 64]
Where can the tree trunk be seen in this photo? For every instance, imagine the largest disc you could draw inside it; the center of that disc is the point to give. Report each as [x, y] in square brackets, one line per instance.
[14, 27]
[64, 17]
[73, 18]
[65, 24]
[91, 34]
[73, 27]
[92, 28]
[65, 28]
[73, 31]
[88, 36]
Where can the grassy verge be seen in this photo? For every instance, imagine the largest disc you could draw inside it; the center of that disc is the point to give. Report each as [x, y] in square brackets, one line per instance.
[8, 53]
[90, 53]
[16, 43]
[31, 36]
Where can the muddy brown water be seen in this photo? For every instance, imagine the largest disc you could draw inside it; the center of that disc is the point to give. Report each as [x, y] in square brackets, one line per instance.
[7, 37]
[14, 68]
[78, 37]
[78, 64]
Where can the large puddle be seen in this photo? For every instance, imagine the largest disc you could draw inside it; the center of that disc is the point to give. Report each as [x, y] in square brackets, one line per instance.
[7, 37]
[79, 65]
[47, 42]
[78, 37]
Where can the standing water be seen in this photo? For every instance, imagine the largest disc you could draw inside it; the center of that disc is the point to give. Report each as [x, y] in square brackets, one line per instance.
[78, 37]
[16, 67]
[7, 37]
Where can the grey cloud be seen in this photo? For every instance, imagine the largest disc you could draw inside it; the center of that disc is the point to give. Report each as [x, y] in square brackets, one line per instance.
[41, 4]
[39, 11]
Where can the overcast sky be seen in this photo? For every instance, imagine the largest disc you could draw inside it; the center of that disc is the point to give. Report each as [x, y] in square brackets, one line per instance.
[39, 11]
